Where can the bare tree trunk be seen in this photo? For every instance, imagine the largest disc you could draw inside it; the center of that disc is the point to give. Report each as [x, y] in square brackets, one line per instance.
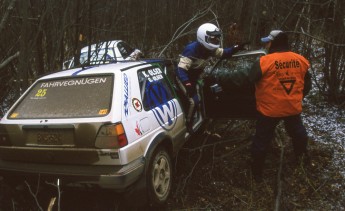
[76, 48]
[25, 47]
[40, 54]
[7, 13]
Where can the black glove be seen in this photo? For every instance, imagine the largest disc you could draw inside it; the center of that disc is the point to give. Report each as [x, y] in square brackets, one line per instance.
[190, 89]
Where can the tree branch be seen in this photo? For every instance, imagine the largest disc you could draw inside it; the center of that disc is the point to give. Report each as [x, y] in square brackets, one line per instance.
[9, 59]
[179, 32]
[53, 199]
[35, 194]
[319, 39]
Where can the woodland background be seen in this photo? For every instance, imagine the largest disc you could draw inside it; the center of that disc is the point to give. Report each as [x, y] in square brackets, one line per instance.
[38, 35]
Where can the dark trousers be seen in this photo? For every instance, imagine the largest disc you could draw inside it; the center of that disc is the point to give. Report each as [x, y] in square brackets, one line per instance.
[265, 131]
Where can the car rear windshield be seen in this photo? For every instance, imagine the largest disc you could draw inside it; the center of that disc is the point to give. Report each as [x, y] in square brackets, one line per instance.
[86, 96]
[99, 56]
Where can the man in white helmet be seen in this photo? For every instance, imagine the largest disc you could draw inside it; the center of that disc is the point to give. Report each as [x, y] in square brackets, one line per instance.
[193, 61]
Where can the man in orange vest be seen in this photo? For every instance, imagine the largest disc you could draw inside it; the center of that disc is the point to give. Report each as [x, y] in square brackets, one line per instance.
[281, 81]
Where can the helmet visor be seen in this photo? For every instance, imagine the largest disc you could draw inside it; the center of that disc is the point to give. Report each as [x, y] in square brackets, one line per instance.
[215, 33]
[213, 40]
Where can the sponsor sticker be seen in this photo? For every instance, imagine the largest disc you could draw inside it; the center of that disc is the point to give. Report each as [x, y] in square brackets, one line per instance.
[72, 82]
[103, 112]
[138, 106]
[14, 115]
[126, 94]
[166, 115]
[138, 130]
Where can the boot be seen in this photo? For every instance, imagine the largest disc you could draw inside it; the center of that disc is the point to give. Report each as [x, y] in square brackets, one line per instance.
[301, 151]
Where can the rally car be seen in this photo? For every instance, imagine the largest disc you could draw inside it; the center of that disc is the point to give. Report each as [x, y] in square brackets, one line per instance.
[114, 126]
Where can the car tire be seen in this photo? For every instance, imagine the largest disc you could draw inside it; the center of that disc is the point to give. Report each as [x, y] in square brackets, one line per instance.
[159, 177]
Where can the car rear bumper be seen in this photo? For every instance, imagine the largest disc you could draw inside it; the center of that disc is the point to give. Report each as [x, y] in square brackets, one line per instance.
[105, 176]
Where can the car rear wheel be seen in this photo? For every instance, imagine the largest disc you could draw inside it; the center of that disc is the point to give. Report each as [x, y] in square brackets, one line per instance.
[159, 177]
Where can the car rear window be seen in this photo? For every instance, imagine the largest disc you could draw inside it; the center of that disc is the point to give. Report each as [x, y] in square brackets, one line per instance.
[154, 87]
[86, 96]
[98, 56]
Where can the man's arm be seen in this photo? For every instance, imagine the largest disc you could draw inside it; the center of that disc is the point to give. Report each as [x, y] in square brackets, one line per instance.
[239, 78]
[307, 84]
[226, 53]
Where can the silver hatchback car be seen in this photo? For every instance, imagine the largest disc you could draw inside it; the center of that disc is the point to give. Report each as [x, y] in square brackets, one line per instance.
[110, 126]
[114, 126]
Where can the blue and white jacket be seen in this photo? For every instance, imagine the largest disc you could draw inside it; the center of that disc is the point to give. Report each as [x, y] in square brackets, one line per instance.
[195, 57]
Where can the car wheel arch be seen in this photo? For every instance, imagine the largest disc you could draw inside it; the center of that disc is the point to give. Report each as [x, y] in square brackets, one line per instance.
[160, 140]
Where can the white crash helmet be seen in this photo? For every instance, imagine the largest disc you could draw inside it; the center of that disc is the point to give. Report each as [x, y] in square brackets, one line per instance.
[209, 36]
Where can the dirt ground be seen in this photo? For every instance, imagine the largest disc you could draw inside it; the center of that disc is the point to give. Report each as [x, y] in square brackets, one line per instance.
[212, 172]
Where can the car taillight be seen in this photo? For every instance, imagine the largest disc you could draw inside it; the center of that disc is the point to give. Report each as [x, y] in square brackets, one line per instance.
[111, 137]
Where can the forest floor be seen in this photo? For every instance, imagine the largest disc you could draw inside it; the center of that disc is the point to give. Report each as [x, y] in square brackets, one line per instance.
[212, 172]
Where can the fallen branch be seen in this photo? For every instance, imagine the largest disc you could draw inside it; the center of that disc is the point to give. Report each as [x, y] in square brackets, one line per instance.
[52, 201]
[35, 194]
[222, 141]
[232, 151]
[196, 163]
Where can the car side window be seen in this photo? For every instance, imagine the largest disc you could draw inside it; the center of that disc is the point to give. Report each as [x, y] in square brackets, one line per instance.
[125, 49]
[154, 87]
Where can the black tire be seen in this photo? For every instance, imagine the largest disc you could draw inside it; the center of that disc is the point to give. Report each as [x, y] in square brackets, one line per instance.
[159, 177]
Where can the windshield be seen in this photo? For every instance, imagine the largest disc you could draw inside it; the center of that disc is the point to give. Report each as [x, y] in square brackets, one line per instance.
[86, 96]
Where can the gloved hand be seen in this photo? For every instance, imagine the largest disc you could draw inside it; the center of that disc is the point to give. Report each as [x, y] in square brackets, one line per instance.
[191, 91]
[240, 47]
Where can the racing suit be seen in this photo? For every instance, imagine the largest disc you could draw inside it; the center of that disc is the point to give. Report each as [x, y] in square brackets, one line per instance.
[191, 64]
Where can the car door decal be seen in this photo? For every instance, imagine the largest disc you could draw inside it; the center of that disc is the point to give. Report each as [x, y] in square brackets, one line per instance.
[166, 113]
[138, 130]
[164, 110]
[126, 94]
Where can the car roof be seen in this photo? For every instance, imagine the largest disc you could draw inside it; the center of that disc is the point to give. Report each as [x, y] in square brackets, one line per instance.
[94, 69]
[103, 68]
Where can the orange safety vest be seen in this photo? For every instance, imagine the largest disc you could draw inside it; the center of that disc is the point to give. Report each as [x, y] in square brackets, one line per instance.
[279, 93]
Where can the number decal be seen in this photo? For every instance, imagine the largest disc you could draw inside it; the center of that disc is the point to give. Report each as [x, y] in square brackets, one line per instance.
[14, 115]
[41, 93]
[103, 111]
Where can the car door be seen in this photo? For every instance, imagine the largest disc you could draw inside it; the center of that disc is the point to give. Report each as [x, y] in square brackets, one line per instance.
[231, 100]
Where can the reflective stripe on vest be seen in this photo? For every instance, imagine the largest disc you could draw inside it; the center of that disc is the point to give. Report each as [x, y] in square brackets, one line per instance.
[279, 93]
